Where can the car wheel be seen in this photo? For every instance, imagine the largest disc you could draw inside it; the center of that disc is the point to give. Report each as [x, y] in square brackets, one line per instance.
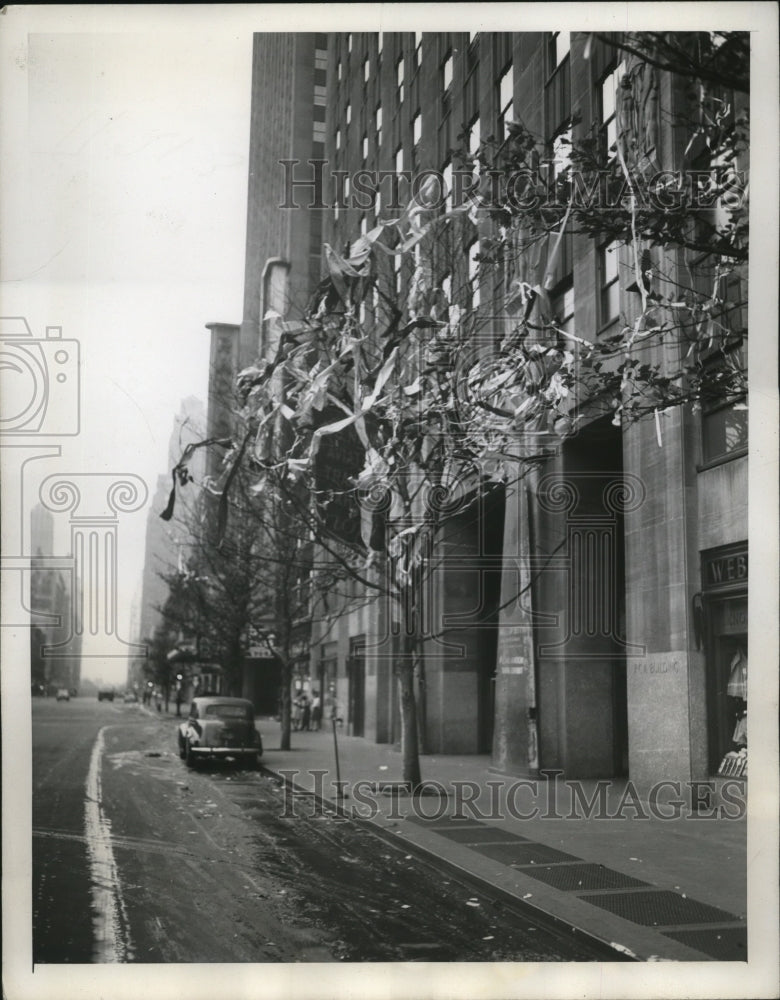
[190, 758]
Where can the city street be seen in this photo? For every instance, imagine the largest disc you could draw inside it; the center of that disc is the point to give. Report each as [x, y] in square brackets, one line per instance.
[138, 859]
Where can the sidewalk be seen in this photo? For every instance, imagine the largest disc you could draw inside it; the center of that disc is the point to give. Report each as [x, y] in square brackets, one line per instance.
[653, 888]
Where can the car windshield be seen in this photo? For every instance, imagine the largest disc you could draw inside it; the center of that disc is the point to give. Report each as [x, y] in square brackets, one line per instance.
[229, 712]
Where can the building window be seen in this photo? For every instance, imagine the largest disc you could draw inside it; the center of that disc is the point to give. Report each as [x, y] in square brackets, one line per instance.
[416, 129]
[563, 309]
[320, 96]
[399, 79]
[338, 138]
[320, 59]
[506, 87]
[473, 253]
[363, 225]
[608, 281]
[560, 42]
[366, 69]
[364, 146]
[446, 71]
[379, 44]
[338, 70]
[348, 115]
[349, 42]
[561, 152]
[446, 286]
[379, 124]
[724, 420]
[608, 90]
[319, 132]
[418, 47]
[446, 175]
[475, 138]
[399, 159]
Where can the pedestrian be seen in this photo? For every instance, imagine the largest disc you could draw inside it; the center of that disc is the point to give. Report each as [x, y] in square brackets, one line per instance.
[297, 712]
[316, 712]
[305, 711]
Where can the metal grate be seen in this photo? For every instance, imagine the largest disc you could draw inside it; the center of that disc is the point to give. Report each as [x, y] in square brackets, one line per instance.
[479, 835]
[525, 852]
[584, 877]
[728, 944]
[659, 909]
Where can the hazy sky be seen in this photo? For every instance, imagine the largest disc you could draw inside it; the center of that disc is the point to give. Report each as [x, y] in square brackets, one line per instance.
[124, 206]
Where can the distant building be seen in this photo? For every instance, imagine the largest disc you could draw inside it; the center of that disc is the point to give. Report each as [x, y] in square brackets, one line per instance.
[54, 597]
[166, 541]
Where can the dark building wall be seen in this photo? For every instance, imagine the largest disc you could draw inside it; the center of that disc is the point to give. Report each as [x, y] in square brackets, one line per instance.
[284, 75]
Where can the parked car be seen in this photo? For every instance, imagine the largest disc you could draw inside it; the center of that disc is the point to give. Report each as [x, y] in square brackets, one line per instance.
[220, 728]
[63, 694]
[105, 694]
[130, 697]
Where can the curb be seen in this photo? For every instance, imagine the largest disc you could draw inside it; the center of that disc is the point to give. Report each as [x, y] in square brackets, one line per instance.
[610, 952]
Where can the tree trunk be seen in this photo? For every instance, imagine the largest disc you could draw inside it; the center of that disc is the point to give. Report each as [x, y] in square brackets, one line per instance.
[410, 753]
[285, 722]
[422, 703]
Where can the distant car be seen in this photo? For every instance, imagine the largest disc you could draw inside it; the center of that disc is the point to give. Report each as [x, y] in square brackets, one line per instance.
[63, 694]
[220, 728]
[130, 697]
[105, 694]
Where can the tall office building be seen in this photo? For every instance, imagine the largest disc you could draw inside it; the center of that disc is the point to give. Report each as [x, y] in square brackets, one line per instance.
[618, 660]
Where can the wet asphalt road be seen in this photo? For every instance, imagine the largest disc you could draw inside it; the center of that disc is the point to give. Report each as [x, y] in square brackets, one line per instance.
[206, 869]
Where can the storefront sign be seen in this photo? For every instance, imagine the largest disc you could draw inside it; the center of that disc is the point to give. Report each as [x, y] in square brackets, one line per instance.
[725, 568]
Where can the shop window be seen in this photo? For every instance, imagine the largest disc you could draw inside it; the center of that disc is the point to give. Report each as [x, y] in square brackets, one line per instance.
[609, 283]
[723, 605]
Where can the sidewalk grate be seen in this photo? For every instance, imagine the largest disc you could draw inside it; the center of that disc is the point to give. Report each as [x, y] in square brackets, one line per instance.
[479, 835]
[584, 877]
[728, 944]
[523, 853]
[660, 909]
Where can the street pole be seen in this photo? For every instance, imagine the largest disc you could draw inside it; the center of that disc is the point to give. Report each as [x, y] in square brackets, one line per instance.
[336, 751]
